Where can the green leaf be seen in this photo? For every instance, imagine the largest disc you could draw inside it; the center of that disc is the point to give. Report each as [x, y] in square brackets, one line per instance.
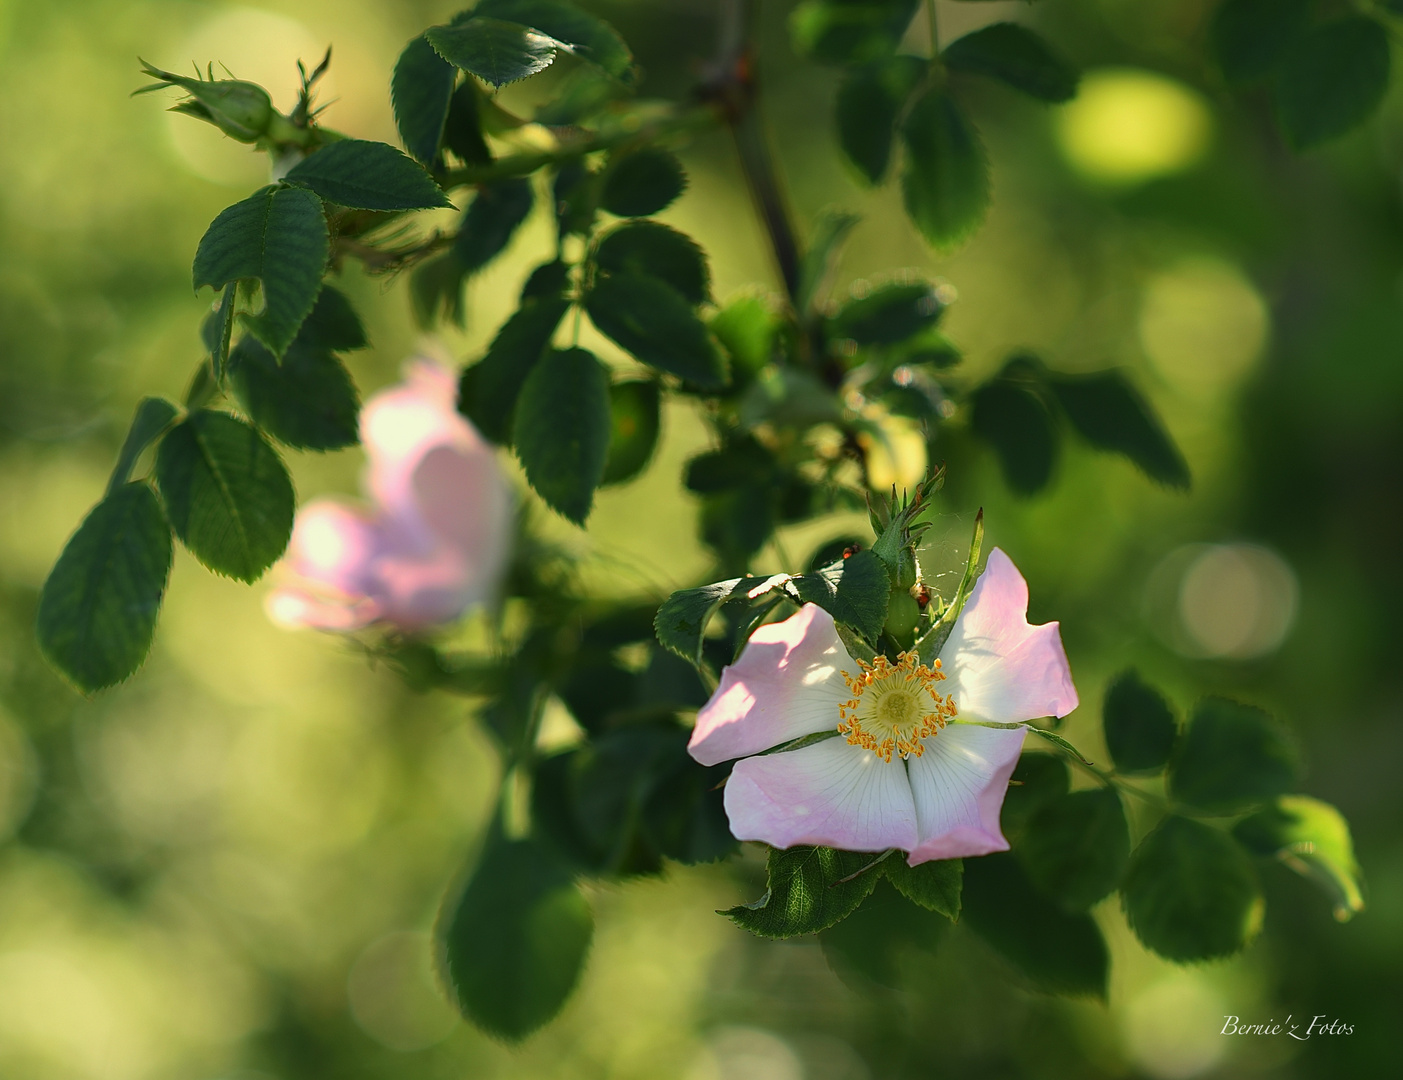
[651, 249]
[462, 131]
[682, 618]
[656, 324]
[368, 175]
[279, 236]
[1075, 848]
[854, 591]
[875, 941]
[490, 388]
[490, 221]
[548, 281]
[1059, 952]
[561, 430]
[746, 329]
[1139, 725]
[1311, 838]
[810, 889]
[333, 324]
[1111, 415]
[308, 401]
[888, 314]
[737, 522]
[1249, 38]
[1332, 80]
[934, 885]
[634, 421]
[218, 328]
[1231, 757]
[495, 50]
[1015, 421]
[820, 258]
[1038, 779]
[589, 37]
[946, 178]
[869, 101]
[97, 613]
[420, 90]
[1190, 892]
[739, 463]
[516, 939]
[1015, 55]
[228, 495]
[643, 182]
[850, 31]
[153, 415]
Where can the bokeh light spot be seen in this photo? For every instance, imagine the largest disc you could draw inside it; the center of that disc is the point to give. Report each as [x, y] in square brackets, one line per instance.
[1203, 324]
[1126, 126]
[1172, 1027]
[1222, 601]
[747, 1053]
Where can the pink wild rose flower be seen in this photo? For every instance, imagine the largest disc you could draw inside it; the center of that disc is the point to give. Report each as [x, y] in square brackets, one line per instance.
[902, 771]
[438, 539]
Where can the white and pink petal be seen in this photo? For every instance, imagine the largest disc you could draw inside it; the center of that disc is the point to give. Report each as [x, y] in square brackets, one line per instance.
[958, 787]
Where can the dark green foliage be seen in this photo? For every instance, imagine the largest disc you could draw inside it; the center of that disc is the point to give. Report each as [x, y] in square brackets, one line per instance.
[736, 464]
[1232, 756]
[682, 618]
[1057, 951]
[368, 176]
[736, 523]
[651, 249]
[807, 891]
[1332, 80]
[1038, 779]
[869, 101]
[562, 428]
[589, 37]
[1249, 38]
[97, 613]
[945, 181]
[308, 401]
[872, 942]
[333, 324]
[547, 281]
[1139, 725]
[228, 495]
[850, 31]
[935, 885]
[490, 222]
[854, 591]
[153, 415]
[643, 182]
[629, 798]
[277, 235]
[888, 314]
[1311, 838]
[576, 191]
[490, 388]
[1190, 892]
[514, 942]
[830, 232]
[1111, 415]
[1013, 418]
[462, 131]
[420, 90]
[656, 324]
[634, 420]
[218, 328]
[1015, 55]
[494, 50]
[1076, 846]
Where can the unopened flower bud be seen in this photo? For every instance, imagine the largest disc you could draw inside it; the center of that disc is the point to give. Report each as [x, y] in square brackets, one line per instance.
[242, 110]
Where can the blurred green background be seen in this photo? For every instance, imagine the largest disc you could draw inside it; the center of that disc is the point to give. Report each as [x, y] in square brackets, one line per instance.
[228, 867]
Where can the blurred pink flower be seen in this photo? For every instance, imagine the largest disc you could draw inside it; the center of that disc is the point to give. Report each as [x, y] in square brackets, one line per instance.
[904, 776]
[438, 539]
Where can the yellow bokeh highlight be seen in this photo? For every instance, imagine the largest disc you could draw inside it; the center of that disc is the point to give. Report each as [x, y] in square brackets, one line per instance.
[1203, 325]
[1126, 126]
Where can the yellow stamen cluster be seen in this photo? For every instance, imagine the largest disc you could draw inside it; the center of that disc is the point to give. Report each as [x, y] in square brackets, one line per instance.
[894, 706]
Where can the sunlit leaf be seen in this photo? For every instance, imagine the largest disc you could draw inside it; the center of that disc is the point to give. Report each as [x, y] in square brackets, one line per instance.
[634, 420]
[590, 37]
[854, 591]
[809, 889]
[495, 50]
[1312, 838]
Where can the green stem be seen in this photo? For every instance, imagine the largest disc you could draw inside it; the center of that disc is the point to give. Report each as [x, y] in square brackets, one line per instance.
[934, 29]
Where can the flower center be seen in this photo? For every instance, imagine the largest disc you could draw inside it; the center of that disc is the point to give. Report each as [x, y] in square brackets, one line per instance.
[894, 706]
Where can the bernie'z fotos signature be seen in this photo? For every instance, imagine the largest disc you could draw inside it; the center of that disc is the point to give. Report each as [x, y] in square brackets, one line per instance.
[1317, 1026]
